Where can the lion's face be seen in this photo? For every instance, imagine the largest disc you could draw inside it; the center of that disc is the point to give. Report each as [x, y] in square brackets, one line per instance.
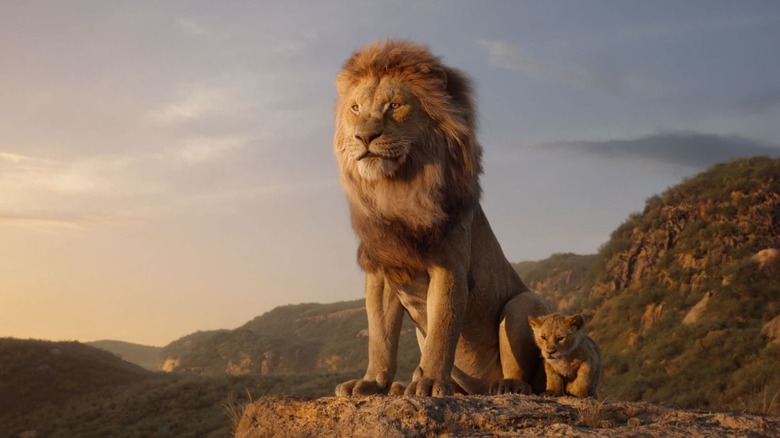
[382, 124]
[555, 335]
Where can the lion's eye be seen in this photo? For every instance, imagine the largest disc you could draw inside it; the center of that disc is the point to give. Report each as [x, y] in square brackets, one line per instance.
[544, 338]
[355, 107]
[560, 338]
[395, 105]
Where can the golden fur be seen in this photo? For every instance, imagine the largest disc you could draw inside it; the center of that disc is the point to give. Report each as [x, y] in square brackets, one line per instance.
[572, 359]
[409, 163]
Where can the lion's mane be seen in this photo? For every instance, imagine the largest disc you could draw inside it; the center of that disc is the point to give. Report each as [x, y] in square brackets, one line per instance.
[398, 219]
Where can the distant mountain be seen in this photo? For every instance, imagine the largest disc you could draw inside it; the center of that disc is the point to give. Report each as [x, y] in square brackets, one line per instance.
[559, 278]
[143, 355]
[302, 338]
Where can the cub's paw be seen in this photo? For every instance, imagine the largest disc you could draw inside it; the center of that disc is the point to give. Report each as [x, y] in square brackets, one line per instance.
[429, 387]
[360, 387]
[510, 386]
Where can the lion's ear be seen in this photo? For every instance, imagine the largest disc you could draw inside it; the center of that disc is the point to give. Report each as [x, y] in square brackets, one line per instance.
[533, 322]
[435, 72]
[576, 322]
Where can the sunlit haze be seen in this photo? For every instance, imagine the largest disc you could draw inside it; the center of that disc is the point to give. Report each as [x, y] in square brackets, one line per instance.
[166, 167]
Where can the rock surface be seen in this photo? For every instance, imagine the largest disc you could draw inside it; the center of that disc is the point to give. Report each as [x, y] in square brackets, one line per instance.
[487, 416]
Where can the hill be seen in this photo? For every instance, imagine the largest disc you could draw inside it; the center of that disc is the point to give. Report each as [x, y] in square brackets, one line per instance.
[559, 278]
[302, 338]
[143, 355]
[39, 373]
[683, 310]
[68, 389]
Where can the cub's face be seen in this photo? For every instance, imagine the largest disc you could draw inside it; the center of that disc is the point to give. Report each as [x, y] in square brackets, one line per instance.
[382, 123]
[556, 335]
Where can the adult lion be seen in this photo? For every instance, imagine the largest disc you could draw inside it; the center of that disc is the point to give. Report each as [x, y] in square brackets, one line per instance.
[409, 163]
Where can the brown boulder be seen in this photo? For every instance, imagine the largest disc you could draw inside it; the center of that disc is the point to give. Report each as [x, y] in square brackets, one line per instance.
[482, 416]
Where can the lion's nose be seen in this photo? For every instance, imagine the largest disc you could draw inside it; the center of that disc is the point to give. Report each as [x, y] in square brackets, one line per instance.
[367, 137]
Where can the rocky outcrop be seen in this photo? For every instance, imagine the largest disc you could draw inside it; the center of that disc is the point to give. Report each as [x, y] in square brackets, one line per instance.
[766, 257]
[772, 330]
[559, 279]
[684, 237]
[695, 314]
[482, 416]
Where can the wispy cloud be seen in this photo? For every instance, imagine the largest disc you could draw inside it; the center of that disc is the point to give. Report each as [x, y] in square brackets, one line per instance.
[44, 193]
[607, 79]
[203, 150]
[513, 57]
[759, 103]
[193, 26]
[691, 149]
[257, 191]
[49, 222]
[193, 101]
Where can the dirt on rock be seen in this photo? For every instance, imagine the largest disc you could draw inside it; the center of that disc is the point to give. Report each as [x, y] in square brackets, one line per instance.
[487, 416]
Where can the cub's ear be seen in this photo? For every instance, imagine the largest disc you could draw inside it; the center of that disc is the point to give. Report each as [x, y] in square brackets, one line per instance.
[534, 322]
[576, 322]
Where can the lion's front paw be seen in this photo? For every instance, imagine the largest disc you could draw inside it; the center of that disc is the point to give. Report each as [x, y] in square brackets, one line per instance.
[360, 387]
[510, 386]
[429, 387]
[397, 388]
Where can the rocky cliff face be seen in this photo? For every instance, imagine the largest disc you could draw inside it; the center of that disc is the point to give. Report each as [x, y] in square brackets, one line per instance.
[482, 416]
[294, 339]
[686, 291]
[687, 238]
[560, 279]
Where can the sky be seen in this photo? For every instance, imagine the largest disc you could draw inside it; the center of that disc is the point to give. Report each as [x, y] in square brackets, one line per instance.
[167, 167]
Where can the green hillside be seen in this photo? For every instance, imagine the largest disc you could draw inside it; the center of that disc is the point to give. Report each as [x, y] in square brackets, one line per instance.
[68, 389]
[677, 302]
[36, 373]
[143, 355]
[301, 338]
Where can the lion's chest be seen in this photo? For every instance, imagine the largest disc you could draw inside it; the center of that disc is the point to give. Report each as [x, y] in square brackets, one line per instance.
[566, 367]
[414, 298]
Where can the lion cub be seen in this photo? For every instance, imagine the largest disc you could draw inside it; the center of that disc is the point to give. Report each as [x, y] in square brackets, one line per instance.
[572, 360]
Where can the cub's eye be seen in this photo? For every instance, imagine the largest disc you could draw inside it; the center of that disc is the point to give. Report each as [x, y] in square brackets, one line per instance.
[544, 338]
[355, 107]
[560, 338]
[395, 105]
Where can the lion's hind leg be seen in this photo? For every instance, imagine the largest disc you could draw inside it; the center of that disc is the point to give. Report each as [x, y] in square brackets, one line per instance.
[521, 363]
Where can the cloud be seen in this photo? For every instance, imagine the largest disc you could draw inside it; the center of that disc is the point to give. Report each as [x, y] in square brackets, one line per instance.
[604, 78]
[759, 103]
[45, 193]
[513, 57]
[218, 98]
[202, 150]
[48, 222]
[193, 101]
[691, 149]
[193, 27]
